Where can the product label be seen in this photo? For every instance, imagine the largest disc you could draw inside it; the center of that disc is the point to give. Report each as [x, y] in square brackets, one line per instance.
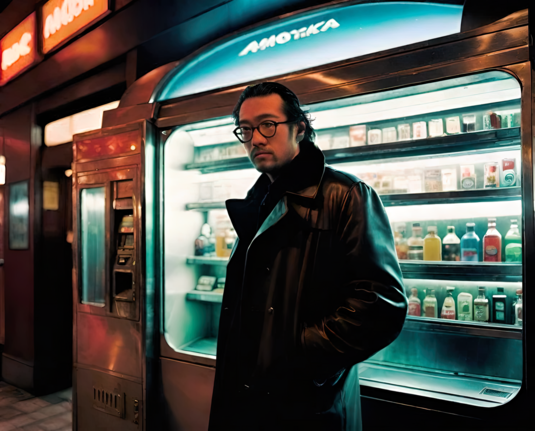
[519, 314]
[500, 315]
[499, 305]
[481, 313]
[414, 309]
[513, 253]
[452, 252]
[469, 255]
[448, 314]
[430, 311]
[491, 250]
[468, 183]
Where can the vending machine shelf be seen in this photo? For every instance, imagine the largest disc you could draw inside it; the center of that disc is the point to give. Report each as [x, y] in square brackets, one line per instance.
[452, 197]
[479, 391]
[208, 296]
[207, 260]
[472, 141]
[205, 206]
[477, 271]
[204, 346]
[467, 328]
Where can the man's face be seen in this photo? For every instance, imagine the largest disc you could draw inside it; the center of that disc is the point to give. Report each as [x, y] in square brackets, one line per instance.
[269, 155]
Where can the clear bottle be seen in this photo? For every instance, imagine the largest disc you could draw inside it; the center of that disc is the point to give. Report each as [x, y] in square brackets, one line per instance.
[448, 308]
[470, 244]
[451, 246]
[414, 303]
[203, 244]
[481, 307]
[513, 244]
[430, 305]
[230, 239]
[432, 245]
[492, 243]
[517, 306]
[402, 246]
[464, 306]
[416, 243]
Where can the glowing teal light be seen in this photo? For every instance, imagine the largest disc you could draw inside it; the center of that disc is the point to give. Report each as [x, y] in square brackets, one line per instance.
[310, 39]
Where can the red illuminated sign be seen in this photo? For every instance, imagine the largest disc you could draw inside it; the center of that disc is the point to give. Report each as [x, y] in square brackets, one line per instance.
[63, 19]
[18, 49]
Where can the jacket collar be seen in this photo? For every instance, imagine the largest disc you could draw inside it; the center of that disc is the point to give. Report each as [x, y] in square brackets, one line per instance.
[300, 182]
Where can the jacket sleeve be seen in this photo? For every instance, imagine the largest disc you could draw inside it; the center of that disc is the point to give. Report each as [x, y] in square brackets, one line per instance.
[371, 304]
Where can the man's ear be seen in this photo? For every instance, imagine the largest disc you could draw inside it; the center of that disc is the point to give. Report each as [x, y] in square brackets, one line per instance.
[301, 128]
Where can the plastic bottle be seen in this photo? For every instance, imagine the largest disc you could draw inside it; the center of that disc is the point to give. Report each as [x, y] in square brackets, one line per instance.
[448, 308]
[451, 246]
[464, 307]
[518, 308]
[492, 243]
[402, 246]
[470, 244]
[513, 244]
[481, 307]
[416, 243]
[432, 245]
[414, 303]
[430, 305]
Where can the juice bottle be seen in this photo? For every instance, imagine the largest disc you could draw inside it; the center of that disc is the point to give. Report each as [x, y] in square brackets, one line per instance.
[518, 308]
[448, 308]
[492, 243]
[464, 306]
[513, 244]
[432, 246]
[451, 246]
[414, 303]
[481, 307]
[402, 246]
[470, 244]
[416, 243]
[430, 305]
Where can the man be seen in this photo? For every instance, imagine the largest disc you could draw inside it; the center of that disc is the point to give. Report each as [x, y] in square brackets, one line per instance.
[313, 284]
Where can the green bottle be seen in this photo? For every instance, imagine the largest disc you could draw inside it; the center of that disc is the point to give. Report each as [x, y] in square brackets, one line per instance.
[513, 244]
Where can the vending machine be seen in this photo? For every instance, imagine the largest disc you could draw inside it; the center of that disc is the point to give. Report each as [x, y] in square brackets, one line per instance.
[438, 122]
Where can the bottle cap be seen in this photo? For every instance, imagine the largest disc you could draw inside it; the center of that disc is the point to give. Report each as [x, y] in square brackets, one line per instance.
[416, 225]
[519, 291]
[414, 291]
[450, 288]
[492, 220]
[514, 221]
[470, 224]
[481, 288]
[451, 229]
[500, 289]
[431, 229]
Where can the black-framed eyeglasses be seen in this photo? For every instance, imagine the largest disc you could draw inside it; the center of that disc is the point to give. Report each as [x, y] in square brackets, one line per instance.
[266, 128]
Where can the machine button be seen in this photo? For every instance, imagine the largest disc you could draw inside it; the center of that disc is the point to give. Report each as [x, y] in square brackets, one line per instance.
[270, 311]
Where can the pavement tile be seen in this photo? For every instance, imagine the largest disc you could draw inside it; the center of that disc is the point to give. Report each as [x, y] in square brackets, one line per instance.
[37, 416]
[32, 427]
[8, 413]
[6, 427]
[20, 420]
[53, 423]
[52, 410]
[26, 406]
[48, 399]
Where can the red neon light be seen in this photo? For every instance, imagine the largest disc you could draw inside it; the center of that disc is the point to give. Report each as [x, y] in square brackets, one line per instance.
[18, 49]
[62, 19]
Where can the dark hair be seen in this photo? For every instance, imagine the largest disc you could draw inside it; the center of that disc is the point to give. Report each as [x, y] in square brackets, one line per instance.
[292, 108]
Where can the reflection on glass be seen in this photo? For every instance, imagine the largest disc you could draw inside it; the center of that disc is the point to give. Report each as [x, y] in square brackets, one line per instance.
[93, 251]
[18, 216]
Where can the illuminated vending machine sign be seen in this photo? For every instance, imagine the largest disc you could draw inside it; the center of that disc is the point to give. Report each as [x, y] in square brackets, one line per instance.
[63, 19]
[18, 49]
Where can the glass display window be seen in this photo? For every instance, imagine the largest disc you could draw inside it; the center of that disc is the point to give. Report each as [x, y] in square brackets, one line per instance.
[445, 158]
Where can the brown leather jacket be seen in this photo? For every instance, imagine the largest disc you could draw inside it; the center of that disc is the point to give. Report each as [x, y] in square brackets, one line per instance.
[318, 290]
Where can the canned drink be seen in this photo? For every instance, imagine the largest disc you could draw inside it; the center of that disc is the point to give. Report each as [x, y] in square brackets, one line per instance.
[486, 122]
[516, 119]
[508, 173]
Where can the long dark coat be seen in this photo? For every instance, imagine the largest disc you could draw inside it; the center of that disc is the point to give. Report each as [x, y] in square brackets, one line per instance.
[318, 290]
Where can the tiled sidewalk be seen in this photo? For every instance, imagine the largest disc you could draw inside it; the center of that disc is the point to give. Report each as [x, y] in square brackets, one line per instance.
[20, 410]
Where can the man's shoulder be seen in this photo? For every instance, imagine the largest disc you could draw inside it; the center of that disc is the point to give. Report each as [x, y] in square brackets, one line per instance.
[341, 179]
